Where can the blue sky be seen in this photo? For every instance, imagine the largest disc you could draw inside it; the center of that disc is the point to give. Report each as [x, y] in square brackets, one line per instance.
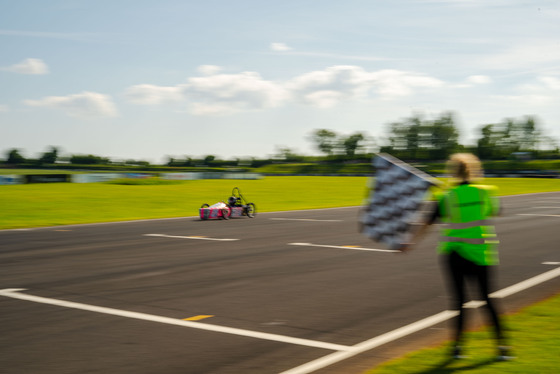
[151, 79]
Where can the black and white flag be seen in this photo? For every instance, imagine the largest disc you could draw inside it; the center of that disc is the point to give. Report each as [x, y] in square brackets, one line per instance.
[394, 201]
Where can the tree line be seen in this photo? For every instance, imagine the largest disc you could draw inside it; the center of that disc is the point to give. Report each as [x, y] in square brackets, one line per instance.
[413, 139]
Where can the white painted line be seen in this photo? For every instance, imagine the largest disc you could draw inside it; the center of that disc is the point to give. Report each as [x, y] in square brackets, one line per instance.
[15, 294]
[414, 327]
[190, 237]
[100, 223]
[343, 247]
[551, 263]
[538, 215]
[521, 286]
[305, 219]
[372, 343]
[474, 304]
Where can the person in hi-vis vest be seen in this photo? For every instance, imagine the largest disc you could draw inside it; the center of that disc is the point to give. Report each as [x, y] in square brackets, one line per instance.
[468, 242]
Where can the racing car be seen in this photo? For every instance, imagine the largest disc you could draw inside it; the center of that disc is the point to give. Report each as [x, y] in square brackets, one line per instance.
[236, 206]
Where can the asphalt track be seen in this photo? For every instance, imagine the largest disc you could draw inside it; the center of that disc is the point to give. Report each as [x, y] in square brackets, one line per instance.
[287, 292]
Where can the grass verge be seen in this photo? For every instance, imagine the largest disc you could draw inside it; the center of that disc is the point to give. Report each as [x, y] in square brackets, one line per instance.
[35, 205]
[533, 331]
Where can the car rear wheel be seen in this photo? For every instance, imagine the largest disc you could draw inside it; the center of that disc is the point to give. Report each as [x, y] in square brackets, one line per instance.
[251, 210]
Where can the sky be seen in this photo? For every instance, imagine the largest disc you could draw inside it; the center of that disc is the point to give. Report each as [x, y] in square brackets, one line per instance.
[148, 80]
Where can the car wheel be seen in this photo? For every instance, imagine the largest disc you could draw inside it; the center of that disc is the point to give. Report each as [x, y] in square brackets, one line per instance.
[250, 210]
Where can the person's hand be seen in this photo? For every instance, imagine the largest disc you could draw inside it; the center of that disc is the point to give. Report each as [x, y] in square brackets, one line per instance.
[406, 247]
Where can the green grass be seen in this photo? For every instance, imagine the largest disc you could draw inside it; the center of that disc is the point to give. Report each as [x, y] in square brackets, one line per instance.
[516, 186]
[535, 339]
[34, 205]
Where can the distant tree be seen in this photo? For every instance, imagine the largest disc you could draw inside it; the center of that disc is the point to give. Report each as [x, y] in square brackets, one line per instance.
[352, 143]
[49, 157]
[443, 137]
[287, 154]
[416, 138]
[499, 141]
[89, 160]
[485, 145]
[325, 141]
[137, 162]
[209, 160]
[14, 157]
[530, 135]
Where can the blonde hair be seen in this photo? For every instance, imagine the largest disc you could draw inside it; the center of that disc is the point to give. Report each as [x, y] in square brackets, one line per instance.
[464, 167]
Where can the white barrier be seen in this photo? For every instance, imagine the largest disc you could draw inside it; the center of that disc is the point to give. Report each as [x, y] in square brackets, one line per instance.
[95, 178]
[242, 176]
[11, 179]
[209, 175]
[181, 176]
[104, 177]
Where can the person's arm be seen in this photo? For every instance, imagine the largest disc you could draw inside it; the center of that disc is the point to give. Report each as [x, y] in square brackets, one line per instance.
[420, 229]
[417, 233]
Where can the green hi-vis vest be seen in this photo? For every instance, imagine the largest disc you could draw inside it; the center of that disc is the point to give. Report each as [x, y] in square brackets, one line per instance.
[465, 211]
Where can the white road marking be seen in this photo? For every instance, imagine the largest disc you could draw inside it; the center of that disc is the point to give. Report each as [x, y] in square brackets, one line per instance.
[373, 343]
[414, 327]
[528, 283]
[306, 219]
[538, 215]
[190, 237]
[551, 263]
[343, 247]
[15, 293]
[474, 304]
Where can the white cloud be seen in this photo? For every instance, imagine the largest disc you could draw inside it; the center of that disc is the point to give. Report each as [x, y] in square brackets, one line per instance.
[279, 47]
[528, 54]
[229, 93]
[213, 93]
[83, 105]
[479, 79]
[394, 83]
[209, 69]
[324, 98]
[148, 94]
[473, 80]
[351, 82]
[4, 108]
[224, 93]
[552, 83]
[543, 92]
[528, 100]
[29, 66]
[325, 88]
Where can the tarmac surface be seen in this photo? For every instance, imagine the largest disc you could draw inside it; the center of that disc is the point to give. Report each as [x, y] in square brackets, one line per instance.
[285, 292]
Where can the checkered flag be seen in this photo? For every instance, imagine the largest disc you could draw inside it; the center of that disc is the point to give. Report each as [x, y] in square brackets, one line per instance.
[395, 201]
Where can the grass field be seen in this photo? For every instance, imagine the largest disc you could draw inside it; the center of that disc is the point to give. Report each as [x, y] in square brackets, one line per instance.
[535, 338]
[35, 205]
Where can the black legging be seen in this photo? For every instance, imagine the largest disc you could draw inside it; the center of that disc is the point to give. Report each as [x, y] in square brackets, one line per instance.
[459, 270]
